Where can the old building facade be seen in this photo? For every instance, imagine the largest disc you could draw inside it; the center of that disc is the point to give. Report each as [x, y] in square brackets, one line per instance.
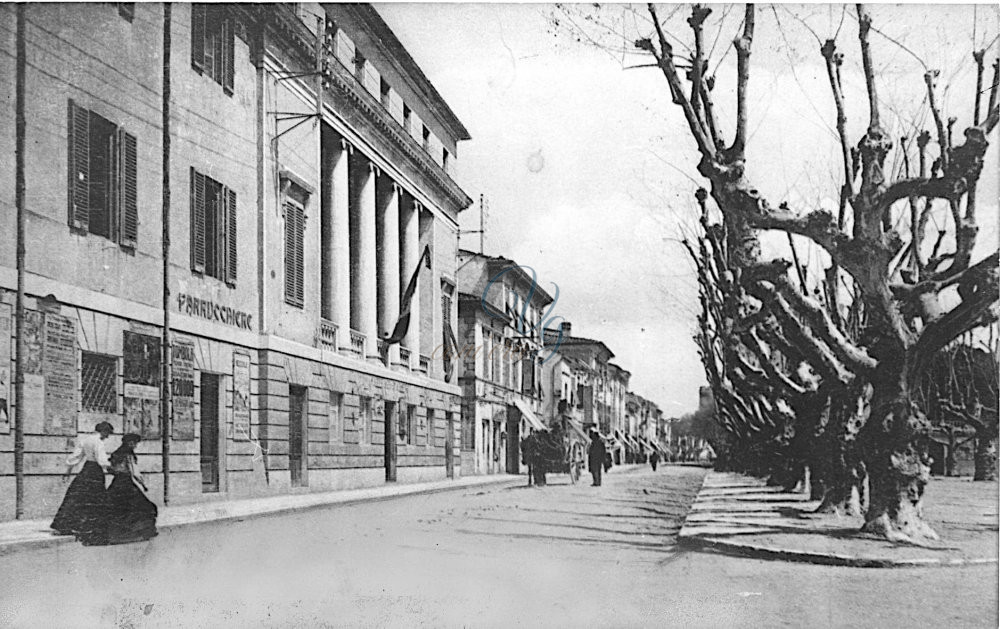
[297, 164]
[500, 312]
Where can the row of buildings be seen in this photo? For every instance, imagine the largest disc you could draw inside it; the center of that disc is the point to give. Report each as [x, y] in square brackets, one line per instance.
[254, 204]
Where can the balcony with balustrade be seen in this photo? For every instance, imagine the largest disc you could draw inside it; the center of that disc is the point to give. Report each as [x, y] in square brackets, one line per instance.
[358, 344]
[327, 335]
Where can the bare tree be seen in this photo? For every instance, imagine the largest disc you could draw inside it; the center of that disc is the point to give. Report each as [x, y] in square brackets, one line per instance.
[959, 394]
[913, 292]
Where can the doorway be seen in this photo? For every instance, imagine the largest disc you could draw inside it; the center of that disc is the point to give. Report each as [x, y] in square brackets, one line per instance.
[389, 439]
[296, 434]
[513, 440]
[209, 433]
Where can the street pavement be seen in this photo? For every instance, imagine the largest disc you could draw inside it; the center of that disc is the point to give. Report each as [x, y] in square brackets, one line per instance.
[741, 515]
[556, 556]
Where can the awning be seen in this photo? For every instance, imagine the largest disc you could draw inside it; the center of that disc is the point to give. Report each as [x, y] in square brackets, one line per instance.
[528, 415]
[578, 429]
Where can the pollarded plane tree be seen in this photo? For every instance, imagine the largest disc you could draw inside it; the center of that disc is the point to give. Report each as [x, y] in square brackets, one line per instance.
[959, 395]
[783, 405]
[753, 419]
[909, 311]
[907, 321]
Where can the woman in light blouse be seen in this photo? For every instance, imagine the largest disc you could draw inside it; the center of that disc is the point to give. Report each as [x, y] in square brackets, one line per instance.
[130, 514]
[83, 509]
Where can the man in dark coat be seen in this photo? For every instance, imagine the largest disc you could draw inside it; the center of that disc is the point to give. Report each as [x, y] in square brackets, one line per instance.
[595, 456]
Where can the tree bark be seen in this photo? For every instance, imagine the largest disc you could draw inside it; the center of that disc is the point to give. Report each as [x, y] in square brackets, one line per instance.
[898, 468]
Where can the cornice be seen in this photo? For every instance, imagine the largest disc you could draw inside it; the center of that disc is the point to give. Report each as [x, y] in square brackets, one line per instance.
[289, 29]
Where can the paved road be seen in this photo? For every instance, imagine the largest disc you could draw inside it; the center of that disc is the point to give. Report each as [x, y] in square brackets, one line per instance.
[559, 556]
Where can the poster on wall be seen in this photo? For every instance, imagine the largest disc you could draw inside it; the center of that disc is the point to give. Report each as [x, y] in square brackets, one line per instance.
[33, 322]
[241, 396]
[6, 325]
[182, 371]
[49, 374]
[142, 411]
[141, 369]
[59, 368]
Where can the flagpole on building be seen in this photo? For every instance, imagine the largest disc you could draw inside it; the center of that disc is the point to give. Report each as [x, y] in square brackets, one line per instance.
[19, 190]
[165, 357]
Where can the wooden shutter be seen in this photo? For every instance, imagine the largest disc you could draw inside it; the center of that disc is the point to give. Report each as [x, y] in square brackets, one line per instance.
[294, 254]
[291, 246]
[198, 18]
[197, 221]
[228, 52]
[301, 251]
[128, 211]
[79, 166]
[229, 244]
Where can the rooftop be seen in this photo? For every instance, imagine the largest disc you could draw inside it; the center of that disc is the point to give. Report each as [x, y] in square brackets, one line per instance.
[370, 17]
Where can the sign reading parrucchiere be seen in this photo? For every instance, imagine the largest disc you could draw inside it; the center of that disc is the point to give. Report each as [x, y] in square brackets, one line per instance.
[207, 309]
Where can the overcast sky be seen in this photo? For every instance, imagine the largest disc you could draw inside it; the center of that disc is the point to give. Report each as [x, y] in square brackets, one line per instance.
[588, 168]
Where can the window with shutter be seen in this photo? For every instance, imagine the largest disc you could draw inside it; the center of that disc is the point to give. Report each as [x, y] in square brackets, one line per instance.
[197, 221]
[79, 166]
[128, 212]
[198, 15]
[103, 177]
[102, 188]
[213, 228]
[231, 235]
[213, 44]
[228, 52]
[294, 254]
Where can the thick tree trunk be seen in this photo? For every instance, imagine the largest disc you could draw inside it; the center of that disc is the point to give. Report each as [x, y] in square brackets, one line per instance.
[843, 496]
[986, 458]
[949, 457]
[898, 469]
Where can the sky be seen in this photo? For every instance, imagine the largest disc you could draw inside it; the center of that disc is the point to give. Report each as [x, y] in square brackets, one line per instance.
[588, 169]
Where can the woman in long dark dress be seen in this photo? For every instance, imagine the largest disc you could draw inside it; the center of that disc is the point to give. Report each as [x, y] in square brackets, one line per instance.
[82, 511]
[130, 514]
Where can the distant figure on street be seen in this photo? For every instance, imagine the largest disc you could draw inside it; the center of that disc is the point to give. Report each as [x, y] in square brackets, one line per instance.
[83, 509]
[596, 456]
[130, 515]
[654, 458]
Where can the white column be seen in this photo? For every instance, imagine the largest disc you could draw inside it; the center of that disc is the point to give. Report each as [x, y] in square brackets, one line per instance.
[388, 268]
[366, 295]
[337, 243]
[410, 227]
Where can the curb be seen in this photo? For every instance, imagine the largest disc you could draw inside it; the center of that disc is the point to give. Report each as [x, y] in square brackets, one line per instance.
[694, 541]
[757, 551]
[12, 547]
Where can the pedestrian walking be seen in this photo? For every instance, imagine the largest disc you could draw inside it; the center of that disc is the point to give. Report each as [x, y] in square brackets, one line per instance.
[596, 456]
[82, 509]
[130, 515]
[654, 458]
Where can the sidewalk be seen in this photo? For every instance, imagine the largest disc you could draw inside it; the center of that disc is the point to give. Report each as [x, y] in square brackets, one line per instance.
[19, 535]
[736, 514]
